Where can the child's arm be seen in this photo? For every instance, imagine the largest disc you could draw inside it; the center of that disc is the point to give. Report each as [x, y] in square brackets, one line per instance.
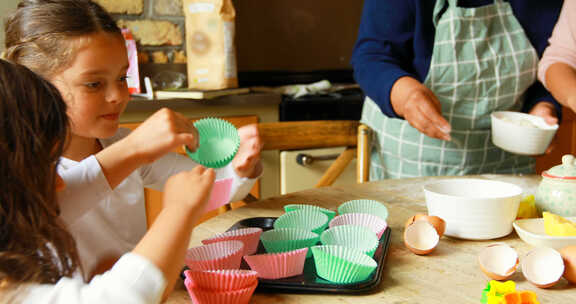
[152, 268]
[183, 206]
[162, 132]
[561, 81]
[557, 66]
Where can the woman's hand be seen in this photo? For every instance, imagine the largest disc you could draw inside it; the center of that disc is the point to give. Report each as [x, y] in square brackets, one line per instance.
[161, 133]
[420, 107]
[247, 162]
[547, 111]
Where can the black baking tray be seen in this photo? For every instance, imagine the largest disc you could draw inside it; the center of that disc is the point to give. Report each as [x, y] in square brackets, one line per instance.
[309, 282]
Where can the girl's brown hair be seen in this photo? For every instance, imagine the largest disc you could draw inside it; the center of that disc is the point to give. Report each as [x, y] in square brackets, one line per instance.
[35, 246]
[39, 33]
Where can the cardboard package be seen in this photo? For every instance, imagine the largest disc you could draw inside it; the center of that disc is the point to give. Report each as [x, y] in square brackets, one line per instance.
[210, 47]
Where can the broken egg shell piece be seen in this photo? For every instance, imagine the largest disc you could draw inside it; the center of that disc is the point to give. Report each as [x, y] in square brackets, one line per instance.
[498, 261]
[421, 237]
[543, 267]
[438, 223]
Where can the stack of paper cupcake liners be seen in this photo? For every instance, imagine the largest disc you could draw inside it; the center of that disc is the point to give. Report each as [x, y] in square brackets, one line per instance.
[344, 256]
[221, 286]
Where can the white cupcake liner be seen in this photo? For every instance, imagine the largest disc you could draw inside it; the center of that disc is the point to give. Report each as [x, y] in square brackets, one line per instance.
[375, 223]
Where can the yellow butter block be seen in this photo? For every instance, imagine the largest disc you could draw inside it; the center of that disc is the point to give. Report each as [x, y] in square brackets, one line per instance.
[527, 208]
[556, 225]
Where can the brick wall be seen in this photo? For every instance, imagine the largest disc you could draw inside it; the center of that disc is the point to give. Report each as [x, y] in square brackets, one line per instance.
[157, 26]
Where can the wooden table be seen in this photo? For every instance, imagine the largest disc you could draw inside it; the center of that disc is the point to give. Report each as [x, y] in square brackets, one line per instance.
[450, 274]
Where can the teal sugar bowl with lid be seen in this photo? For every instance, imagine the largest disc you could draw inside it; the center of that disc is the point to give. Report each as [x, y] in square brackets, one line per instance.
[557, 190]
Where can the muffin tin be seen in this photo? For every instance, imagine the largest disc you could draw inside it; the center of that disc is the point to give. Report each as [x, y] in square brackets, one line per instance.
[309, 282]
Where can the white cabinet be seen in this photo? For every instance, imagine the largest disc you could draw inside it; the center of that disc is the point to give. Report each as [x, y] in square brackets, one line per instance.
[296, 177]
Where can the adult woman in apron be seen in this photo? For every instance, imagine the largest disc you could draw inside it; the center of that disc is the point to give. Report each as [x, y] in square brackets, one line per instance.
[433, 72]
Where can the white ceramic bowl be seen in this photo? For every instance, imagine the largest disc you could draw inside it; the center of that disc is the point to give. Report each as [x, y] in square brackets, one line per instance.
[474, 209]
[532, 232]
[521, 133]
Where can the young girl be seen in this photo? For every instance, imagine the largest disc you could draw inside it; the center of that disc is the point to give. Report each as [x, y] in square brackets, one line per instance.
[38, 258]
[557, 69]
[77, 46]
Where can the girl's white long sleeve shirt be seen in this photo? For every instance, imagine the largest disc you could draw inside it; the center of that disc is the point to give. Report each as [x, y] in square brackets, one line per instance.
[132, 280]
[107, 223]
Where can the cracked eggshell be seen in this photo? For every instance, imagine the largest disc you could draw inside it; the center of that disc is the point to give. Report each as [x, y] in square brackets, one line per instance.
[498, 261]
[543, 267]
[569, 257]
[421, 237]
[438, 223]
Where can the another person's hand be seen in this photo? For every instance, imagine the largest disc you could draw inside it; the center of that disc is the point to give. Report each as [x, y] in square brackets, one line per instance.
[162, 132]
[420, 107]
[247, 162]
[547, 111]
[189, 189]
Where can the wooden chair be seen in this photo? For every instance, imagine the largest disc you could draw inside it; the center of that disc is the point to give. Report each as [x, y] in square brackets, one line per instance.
[296, 135]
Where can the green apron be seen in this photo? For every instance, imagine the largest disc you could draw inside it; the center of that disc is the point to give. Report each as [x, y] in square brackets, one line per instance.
[482, 62]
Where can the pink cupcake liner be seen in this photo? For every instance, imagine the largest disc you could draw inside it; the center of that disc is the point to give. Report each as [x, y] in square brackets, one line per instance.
[204, 296]
[249, 236]
[278, 265]
[220, 255]
[375, 223]
[222, 280]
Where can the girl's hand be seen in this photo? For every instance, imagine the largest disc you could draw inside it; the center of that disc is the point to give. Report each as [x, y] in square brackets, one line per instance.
[162, 132]
[189, 189]
[247, 161]
[547, 111]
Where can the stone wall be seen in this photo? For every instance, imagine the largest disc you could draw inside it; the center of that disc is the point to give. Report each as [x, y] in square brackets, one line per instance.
[157, 26]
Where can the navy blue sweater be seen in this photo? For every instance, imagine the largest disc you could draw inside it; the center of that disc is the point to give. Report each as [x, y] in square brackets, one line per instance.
[396, 39]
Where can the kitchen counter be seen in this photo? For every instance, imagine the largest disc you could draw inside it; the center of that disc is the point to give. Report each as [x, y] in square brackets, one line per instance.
[263, 105]
[450, 274]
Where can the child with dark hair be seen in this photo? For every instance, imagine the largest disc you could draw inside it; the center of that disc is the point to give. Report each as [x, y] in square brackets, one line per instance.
[38, 258]
[77, 46]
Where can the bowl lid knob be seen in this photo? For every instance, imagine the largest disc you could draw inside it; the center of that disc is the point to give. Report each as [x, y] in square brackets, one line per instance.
[566, 169]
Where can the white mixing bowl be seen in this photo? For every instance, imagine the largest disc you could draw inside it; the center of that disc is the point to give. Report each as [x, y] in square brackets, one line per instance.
[475, 209]
[521, 133]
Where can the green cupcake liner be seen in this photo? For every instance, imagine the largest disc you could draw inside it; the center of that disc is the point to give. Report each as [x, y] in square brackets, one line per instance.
[288, 239]
[218, 143]
[364, 206]
[342, 265]
[293, 207]
[358, 237]
[314, 221]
